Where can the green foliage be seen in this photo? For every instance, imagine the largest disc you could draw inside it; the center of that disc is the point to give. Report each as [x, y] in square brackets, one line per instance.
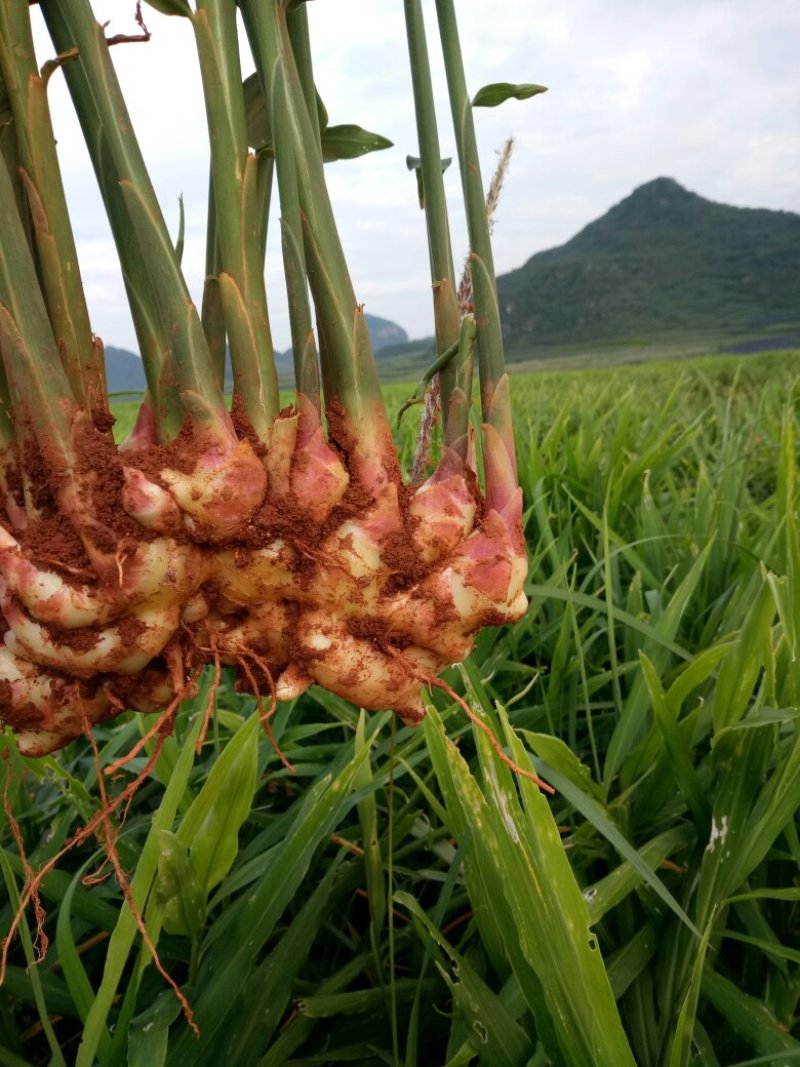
[402, 897]
[498, 92]
[349, 142]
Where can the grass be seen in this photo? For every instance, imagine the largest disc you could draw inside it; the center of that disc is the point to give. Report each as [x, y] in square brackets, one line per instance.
[399, 898]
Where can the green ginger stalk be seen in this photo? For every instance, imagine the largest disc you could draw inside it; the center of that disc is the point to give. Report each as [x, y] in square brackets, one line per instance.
[284, 541]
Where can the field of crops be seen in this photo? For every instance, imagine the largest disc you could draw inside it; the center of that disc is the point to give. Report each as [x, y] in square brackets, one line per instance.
[399, 896]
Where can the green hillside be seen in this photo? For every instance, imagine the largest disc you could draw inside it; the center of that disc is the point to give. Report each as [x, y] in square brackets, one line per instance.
[662, 261]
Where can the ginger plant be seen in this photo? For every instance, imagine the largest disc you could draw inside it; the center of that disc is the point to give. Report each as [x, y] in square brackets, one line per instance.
[283, 541]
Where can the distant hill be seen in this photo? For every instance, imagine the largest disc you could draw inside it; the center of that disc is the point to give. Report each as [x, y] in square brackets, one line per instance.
[383, 334]
[125, 371]
[662, 260]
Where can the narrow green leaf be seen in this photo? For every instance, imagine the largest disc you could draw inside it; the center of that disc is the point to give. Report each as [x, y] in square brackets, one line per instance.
[625, 878]
[498, 92]
[598, 817]
[750, 810]
[484, 881]
[521, 860]
[38, 992]
[632, 722]
[210, 828]
[126, 930]
[148, 1035]
[368, 819]
[748, 1017]
[628, 962]
[740, 669]
[558, 755]
[437, 917]
[759, 717]
[75, 976]
[358, 1001]
[695, 673]
[225, 969]
[786, 1057]
[350, 142]
[269, 990]
[593, 603]
[17, 984]
[300, 1026]
[496, 1036]
[677, 749]
[682, 1041]
[781, 952]
[461, 351]
[765, 894]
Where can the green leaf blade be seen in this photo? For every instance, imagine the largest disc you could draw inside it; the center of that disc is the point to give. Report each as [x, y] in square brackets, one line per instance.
[498, 92]
[350, 142]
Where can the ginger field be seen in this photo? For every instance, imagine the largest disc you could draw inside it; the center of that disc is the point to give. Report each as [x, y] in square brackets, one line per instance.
[356, 891]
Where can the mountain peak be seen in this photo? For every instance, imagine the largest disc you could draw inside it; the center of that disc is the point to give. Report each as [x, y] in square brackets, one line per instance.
[660, 187]
[660, 202]
[662, 259]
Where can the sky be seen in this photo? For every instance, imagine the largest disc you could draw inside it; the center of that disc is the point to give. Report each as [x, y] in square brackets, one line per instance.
[703, 91]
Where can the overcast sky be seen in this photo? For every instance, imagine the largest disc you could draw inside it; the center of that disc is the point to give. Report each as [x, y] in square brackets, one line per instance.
[704, 91]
